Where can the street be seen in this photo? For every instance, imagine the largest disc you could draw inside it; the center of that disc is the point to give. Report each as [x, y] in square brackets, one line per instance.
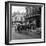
[25, 35]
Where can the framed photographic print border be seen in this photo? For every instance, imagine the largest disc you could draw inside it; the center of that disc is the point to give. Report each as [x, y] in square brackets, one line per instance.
[8, 14]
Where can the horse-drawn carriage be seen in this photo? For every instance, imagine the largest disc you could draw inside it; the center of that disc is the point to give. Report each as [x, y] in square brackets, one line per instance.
[28, 26]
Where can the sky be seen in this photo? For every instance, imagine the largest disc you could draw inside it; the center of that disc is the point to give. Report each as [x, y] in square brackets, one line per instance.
[20, 9]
